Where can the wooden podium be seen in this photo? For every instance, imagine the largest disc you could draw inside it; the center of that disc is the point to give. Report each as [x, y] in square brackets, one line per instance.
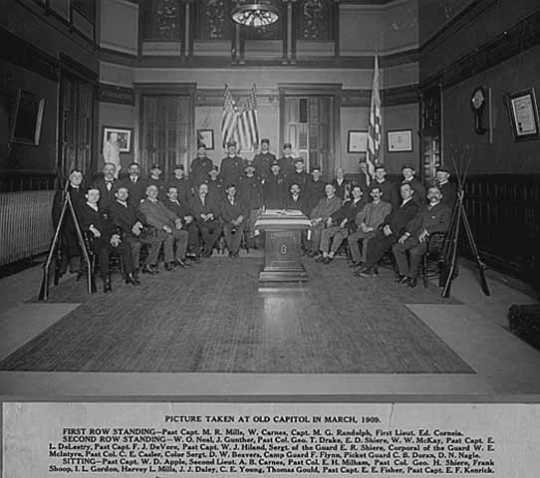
[282, 250]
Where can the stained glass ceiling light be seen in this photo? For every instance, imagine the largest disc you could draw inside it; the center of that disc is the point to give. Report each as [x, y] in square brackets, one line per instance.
[255, 14]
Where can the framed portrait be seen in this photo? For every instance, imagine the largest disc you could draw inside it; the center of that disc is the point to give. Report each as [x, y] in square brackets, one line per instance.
[523, 112]
[28, 118]
[399, 141]
[206, 137]
[121, 135]
[357, 141]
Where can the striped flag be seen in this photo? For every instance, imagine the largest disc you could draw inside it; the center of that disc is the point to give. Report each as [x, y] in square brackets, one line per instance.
[375, 123]
[240, 124]
[228, 118]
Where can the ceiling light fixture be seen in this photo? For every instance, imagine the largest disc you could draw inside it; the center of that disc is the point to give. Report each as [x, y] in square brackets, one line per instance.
[259, 13]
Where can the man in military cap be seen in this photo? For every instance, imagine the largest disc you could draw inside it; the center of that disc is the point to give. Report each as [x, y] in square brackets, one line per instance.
[274, 188]
[181, 183]
[200, 168]
[286, 162]
[216, 189]
[155, 180]
[251, 195]
[448, 189]
[263, 160]
[232, 165]
[299, 176]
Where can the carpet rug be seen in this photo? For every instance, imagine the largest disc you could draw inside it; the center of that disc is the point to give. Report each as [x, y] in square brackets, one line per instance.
[215, 317]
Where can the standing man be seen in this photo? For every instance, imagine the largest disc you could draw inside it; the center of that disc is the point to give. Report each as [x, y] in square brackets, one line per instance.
[432, 218]
[106, 186]
[343, 187]
[233, 216]
[408, 173]
[200, 167]
[251, 195]
[232, 165]
[367, 223]
[365, 178]
[181, 183]
[111, 152]
[387, 188]
[216, 190]
[168, 226]
[392, 228]
[103, 239]
[274, 188]
[126, 219]
[136, 186]
[321, 218]
[448, 189]
[263, 160]
[286, 162]
[299, 176]
[206, 213]
[155, 180]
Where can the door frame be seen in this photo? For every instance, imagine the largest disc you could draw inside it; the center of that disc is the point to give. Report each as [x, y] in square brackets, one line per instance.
[333, 90]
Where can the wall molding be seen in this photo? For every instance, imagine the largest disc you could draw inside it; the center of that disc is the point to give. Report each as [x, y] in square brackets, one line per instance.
[515, 40]
[116, 94]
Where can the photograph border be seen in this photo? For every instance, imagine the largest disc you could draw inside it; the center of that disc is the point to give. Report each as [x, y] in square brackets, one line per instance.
[394, 133]
[118, 129]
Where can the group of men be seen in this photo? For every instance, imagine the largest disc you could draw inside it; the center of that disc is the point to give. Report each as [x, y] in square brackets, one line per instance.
[185, 216]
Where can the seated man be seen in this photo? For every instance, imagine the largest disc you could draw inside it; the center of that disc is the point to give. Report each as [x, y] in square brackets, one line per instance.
[168, 227]
[389, 232]
[126, 219]
[135, 184]
[299, 175]
[103, 240]
[250, 191]
[181, 210]
[342, 225]
[448, 189]
[432, 218]
[320, 218]
[233, 215]
[368, 221]
[297, 200]
[206, 212]
[181, 183]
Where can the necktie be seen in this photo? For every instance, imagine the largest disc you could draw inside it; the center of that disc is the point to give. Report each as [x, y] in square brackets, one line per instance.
[109, 185]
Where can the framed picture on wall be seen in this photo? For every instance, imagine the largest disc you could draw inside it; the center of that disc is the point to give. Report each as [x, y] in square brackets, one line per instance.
[523, 112]
[357, 141]
[120, 136]
[206, 137]
[399, 141]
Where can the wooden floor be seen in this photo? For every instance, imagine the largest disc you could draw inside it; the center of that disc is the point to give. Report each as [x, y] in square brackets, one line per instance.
[215, 318]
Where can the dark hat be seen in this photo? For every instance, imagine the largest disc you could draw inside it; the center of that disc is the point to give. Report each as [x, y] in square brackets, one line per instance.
[265, 140]
[231, 143]
[155, 166]
[178, 166]
[287, 145]
[315, 168]
[299, 160]
[275, 163]
[249, 166]
[214, 168]
[443, 170]
[407, 166]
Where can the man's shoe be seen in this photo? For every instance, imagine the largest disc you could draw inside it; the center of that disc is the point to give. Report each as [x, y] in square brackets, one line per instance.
[412, 282]
[401, 279]
[355, 263]
[131, 279]
[368, 272]
[327, 260]
[320, 259]
[180, 262]
[149, 269]
[169, 266]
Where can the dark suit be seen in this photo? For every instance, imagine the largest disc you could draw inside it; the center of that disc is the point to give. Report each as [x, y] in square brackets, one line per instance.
[429, 218]
[159, 184]
[124, 218]
[397, 220]
[286, 165]
[231, 170]
[274, 191]
[182, 210]
[106, 192]
[342, 189]
[136, 190]
[200, 167]
[216, 189]
[448, 191]
[315, 192]
[251, 195]
[301, 179]
[300, 203]
[210, 228]
[419, 190]
[262, 162]
[101, 246]
[230, 211]
[183, 187]
[389, 190]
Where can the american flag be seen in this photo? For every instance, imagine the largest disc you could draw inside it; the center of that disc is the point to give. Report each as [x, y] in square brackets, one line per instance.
[240, 124]
[375, 123]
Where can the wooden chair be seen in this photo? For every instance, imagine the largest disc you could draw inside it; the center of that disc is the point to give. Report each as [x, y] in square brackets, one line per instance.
[433, 259]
